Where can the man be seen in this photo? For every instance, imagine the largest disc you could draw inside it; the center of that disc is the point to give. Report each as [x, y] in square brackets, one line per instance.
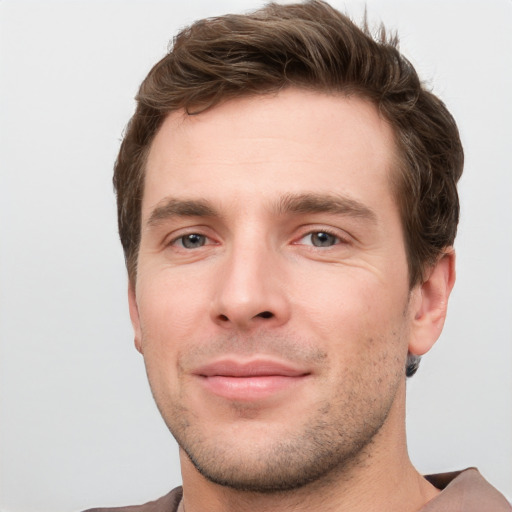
[287, 206]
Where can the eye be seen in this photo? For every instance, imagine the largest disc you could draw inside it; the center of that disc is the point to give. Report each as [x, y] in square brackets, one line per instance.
[191, 241]
[320, 239]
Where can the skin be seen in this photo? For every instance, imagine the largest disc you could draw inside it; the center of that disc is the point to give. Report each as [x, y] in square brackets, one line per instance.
[270, 233]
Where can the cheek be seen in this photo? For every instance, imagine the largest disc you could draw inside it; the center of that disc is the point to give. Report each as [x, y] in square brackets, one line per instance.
[169, 304]
[356, 317]
[171, 316]
[348, 299]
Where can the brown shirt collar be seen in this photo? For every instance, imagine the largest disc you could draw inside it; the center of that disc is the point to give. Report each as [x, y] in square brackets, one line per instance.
[465, 491]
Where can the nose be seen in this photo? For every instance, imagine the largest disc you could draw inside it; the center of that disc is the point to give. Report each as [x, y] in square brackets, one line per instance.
[250, 290]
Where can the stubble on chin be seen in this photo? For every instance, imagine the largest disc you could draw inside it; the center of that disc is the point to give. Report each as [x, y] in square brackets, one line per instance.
[329, 440]
[315, 454]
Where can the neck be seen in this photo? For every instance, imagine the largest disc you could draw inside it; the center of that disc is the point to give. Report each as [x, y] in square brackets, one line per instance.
[381, 478]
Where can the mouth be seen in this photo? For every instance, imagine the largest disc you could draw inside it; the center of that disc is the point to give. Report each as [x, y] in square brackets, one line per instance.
[250, 380]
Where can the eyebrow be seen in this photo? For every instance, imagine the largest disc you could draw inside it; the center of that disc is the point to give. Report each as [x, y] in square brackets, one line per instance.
[321, 203]
[170, 207]
[289, 204]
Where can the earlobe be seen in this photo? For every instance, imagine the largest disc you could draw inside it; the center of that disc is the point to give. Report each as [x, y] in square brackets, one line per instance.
[430, 308]
[134, 316]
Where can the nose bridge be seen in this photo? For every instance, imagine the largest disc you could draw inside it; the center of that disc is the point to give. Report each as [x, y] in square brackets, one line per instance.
[248, 290]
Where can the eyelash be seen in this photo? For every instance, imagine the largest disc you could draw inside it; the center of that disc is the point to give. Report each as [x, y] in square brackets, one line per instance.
[183, 237]
[338, 239]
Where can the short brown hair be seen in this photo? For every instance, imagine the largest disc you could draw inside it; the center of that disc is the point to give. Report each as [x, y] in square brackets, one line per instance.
[313, 46]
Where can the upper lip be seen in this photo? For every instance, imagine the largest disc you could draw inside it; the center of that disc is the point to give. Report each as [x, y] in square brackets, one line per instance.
[253, 368]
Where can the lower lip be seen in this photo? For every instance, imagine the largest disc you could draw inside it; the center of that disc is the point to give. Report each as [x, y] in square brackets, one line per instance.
[250, 388]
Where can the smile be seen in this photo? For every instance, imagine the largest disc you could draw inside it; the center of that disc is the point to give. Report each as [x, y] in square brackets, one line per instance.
[250, 381]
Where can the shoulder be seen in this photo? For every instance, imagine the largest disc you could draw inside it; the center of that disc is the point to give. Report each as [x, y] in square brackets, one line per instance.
[167, 503]
[465, 491]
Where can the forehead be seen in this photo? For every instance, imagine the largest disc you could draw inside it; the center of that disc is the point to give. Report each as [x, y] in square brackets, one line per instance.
[294, 141]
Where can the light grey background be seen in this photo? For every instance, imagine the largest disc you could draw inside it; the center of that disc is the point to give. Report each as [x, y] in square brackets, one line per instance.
[78, 427]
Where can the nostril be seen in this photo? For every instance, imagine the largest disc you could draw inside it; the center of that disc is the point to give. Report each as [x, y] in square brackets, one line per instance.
[225, 319]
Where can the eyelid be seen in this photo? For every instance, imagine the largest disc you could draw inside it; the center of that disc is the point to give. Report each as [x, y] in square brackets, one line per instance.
[175, 236]
[342, 236]
[180, 241]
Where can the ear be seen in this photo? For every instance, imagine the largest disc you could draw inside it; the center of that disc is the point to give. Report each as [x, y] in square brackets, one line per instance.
[134, 316]
[430, 304]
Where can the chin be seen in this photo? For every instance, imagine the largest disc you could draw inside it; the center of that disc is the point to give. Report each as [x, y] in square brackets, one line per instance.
[276, 460]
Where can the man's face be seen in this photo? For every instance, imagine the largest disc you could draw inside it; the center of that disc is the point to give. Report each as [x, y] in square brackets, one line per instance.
[272, 303]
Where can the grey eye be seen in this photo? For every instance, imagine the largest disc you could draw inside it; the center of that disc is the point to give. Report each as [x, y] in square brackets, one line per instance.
[322, 239]
[193, 241]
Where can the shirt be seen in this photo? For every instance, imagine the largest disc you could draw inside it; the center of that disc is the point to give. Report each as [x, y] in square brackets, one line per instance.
[461, 491]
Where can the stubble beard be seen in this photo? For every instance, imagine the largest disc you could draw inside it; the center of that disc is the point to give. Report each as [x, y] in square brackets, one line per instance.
[330, 444]
[319, 454]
